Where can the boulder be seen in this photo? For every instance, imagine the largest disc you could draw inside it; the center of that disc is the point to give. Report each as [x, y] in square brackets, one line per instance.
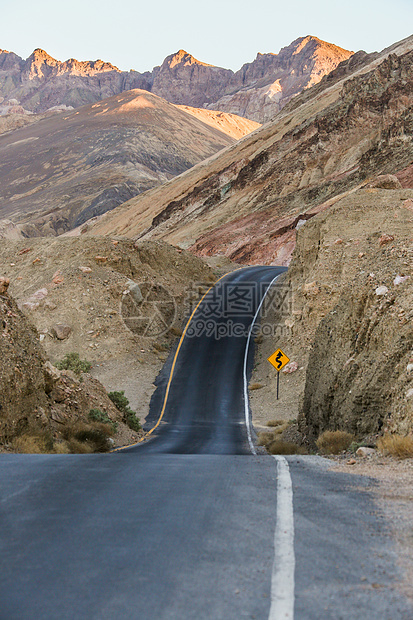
[57, 278]
[400, 279]
[61, 331]
[364, 452]
[135, 291]
[4, 285]
[311, 289]
[51, 376]
[386, 181]
[384, 239]
[381, 290]
[290, 367]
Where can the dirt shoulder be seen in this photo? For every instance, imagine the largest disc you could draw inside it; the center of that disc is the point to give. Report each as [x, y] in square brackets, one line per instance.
[393, 491]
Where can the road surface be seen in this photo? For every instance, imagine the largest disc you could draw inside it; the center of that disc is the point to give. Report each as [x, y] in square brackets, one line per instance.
[192, 524]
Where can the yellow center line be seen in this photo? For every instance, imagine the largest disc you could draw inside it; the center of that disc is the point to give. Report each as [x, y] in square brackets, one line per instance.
[168, 387]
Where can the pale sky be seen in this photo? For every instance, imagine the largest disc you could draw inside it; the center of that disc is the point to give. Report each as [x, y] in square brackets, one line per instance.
[228, 33]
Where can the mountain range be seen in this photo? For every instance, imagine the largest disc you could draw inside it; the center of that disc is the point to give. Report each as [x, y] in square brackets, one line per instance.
[248, 201]
[257, 91]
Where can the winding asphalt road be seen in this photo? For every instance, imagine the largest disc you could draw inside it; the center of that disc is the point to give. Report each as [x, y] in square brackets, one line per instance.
[204, 411]
[191, 524]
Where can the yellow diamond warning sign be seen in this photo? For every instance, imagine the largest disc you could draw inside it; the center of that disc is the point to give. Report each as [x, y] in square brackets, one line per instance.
[278, 359]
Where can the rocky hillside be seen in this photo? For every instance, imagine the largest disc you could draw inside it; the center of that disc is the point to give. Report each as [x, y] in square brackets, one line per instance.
[117, 305]
[349, 328]
[257, 91]
[360, 378]
[248, 201]
[43, 409]
[230, 124]
[62, 169]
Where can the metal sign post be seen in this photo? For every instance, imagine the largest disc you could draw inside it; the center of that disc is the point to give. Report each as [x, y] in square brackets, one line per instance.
[278, 360]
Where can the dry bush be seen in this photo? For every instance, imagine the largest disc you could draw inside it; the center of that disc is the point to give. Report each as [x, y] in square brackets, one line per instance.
[265, 438]
[86, 438]
[285, 447]
[280, 429]
[275, 422]
[78, 447]
[256, 386]
[25, 444]
[175, 331]
[396, 445]
[33, 444]
[61, 448]
[275, 445]
[160, 346]
[334, 442]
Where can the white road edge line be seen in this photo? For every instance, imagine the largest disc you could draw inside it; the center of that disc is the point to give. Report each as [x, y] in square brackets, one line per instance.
[246, 400]
[283, 578]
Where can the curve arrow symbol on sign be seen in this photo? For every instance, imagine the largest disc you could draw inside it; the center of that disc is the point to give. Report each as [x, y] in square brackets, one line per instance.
[278, 360]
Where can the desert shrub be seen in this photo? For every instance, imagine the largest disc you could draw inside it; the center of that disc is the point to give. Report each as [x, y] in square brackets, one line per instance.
[78, 447]
[85, 438]
[72, 361]
[256, 386]
[274, 423]
[396, 445]
[265, 438]
[334, 442]
[96, 415]
[160, 346]
[280, 429]
[285, 447]
[273, 443]
[41, 443]
[122, 404]
[61, 448]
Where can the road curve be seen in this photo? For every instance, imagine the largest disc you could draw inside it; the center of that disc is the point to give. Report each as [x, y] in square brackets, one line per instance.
[205, 407]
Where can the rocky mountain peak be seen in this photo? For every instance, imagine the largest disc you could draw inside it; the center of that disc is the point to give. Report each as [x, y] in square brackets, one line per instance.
[182, 58]
[9, 60]
[86, 68]
[39, 64]
[184, 80]
[40, 53]
[261, 88]
[302, 42]
[40, 56]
